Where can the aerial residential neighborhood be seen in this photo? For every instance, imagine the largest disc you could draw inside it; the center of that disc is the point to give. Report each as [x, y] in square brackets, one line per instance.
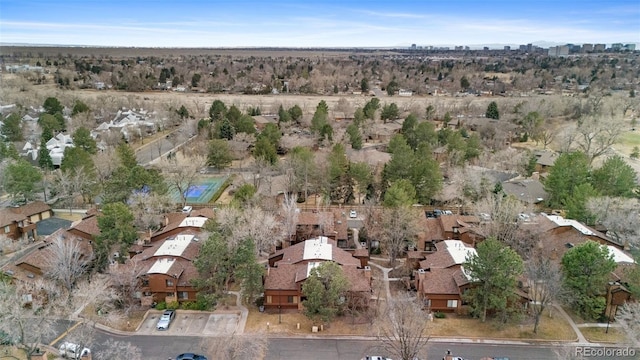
[362, 180]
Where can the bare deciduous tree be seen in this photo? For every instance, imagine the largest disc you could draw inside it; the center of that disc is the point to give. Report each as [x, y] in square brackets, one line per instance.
[148, 209]
[236, 347]
[289, 214]
[179, 176]
[66, 261]
[545, 285]
[71, 184]
[254, 223]
[403, 331]
[619, 216]
[628, 317]
[504, 224]
[397, 230]
[596, 135]
[126, 283]
[25, 322]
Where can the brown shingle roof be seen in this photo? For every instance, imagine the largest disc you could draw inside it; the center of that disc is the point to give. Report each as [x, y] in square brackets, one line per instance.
[432, 230]
[282, 277]
[439, 281]
[358, 281]
[295, 254]
[439, 259]
[88, 225]
[8, 217]
[32, 208]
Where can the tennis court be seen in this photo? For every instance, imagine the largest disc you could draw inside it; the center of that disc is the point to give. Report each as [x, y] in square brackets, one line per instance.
[202, 190]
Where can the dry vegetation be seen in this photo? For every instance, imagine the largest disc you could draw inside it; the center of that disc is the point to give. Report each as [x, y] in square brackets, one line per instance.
[599, 335]
[551, 328]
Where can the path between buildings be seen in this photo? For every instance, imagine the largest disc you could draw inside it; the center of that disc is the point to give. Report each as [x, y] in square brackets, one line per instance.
[244, 312]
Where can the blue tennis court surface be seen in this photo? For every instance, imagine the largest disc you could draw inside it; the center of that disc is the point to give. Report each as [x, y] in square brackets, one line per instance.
[202, 191]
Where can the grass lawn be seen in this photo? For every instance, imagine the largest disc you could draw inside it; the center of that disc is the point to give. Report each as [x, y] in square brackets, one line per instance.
[257, 322]
[630, 138]
[551, 328]
[598, 334]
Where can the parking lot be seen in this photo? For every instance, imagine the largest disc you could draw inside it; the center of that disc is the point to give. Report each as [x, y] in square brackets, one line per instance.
[192, 323]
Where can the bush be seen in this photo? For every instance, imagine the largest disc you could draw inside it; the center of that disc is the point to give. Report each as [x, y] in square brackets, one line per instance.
[439, 315]
[189, 305]
[173, 305]
[161, 305]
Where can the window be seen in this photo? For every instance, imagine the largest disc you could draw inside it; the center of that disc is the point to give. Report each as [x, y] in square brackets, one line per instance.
[183, 295]
[269, 300]
[452, 303]
[145, 282]
[7, 229]
[169, 282]
[170, 294]
[292, 299]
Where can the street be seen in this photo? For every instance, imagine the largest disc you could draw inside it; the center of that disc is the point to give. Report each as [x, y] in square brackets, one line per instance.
[163, 347]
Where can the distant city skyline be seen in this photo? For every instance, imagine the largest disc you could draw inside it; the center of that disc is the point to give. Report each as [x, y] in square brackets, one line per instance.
[287, 23]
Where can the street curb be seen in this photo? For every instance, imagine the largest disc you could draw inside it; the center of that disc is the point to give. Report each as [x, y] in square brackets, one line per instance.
[437, 339]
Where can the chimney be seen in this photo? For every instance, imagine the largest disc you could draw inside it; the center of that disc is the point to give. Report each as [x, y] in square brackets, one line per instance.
[367, 273]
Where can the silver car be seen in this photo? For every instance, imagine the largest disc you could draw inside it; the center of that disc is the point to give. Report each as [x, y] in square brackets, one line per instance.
[166, 319]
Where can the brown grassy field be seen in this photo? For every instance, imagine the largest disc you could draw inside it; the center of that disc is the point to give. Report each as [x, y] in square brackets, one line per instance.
[598, 334]
[551, 328]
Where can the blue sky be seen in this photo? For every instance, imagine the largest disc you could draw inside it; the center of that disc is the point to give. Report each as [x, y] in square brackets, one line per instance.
[372, 23]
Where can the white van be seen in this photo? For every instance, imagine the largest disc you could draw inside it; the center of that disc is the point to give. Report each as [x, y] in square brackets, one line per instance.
[72, 351]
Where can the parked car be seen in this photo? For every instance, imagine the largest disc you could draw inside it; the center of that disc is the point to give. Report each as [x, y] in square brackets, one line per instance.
[375, 357]
[73, 351]
[353, 214]
[166, 319]
[191, 356]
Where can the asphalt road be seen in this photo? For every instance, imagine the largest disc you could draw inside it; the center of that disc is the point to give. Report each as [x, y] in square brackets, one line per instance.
[165, 347]
[153, 150]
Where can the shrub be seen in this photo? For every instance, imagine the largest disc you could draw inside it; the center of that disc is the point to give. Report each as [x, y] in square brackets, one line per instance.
[173, 305]
[161, 305]
[189, 305]
[439, 315]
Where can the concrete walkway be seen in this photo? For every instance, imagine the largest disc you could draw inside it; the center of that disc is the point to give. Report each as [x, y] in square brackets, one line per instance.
[244, 312]
[581, 339]
[385, 278]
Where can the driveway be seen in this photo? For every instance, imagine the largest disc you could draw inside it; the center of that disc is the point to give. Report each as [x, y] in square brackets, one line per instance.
[197, 323]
